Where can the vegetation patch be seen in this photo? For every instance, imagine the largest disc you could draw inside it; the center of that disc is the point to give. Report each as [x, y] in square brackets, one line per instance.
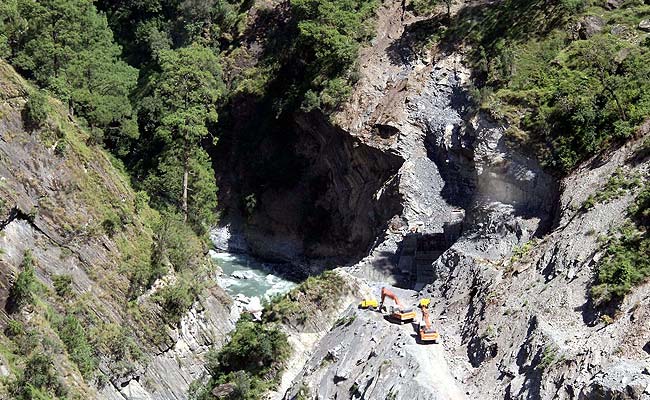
[249, 365]
[23, 290]
[319, 292]
[345, 321]
[252, 362]
[626, 262]
[561, 73]
[617, 185]
[36, 109]
[330, 35]
[549, 357]
[177, 298]
[519, 252]
[73, 335]
[62, 285]
[38, 380]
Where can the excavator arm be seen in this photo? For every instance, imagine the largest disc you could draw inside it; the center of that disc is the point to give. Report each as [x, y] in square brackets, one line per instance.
[387, 293]
[398, 313]
[427, 321]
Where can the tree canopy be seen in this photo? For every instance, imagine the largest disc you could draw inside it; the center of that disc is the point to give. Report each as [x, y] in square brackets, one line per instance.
[67, 48]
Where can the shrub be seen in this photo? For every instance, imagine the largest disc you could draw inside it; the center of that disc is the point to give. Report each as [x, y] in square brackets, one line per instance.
[116, 342]
[247, 386]
[62, 285]
[314, 290]
[22, 291]
[141, 200]
[73, 335]
[176, 244]
[617, 185]
[39, 380]
[255, 348]
[250, 363]
[549, 357]
[14, 329]
[644, 150]
[176, 299]
[111, 224]
[640, 210]
[626, 262]
[36, 109]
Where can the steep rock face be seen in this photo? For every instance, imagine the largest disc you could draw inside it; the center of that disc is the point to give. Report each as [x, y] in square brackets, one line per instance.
[293, 185]
[530, 320]
[457, 164]
[341, 200]
[56, 194]
[510, 287]
[513, 326]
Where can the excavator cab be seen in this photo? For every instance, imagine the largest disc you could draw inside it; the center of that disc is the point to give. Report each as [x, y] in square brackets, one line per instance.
[398, 313]
[402, 315]
[427, 332]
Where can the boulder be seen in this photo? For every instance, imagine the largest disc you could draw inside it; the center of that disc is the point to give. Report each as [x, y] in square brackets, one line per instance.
[644, 25]
[255, 308]
[223, 391]
[4, 368]
[242, 298]
[620, 30]
[591, 25]
[613, 4]
[243, 275]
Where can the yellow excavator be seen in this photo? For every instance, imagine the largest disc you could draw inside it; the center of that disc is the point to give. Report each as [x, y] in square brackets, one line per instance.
[398, 313]
[427, 332]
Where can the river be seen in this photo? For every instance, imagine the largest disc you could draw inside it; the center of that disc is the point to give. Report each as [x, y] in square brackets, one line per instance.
[247, 276]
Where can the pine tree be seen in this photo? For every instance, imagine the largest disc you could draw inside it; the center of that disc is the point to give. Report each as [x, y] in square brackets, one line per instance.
[187, 91]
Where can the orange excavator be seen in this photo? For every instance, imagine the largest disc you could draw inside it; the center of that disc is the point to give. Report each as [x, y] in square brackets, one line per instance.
[427, 332]
[399, 313]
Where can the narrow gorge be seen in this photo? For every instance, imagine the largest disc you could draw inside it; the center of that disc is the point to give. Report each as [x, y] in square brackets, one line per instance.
[487, 162]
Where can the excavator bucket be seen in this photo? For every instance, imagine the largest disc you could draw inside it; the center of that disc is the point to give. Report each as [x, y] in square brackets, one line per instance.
[369, 303]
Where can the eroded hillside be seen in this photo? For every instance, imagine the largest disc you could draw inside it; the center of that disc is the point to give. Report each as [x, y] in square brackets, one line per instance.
[76, 242]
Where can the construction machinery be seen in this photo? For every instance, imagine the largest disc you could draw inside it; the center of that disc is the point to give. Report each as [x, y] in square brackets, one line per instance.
[427, 332]
[398, 313]
[369, 303]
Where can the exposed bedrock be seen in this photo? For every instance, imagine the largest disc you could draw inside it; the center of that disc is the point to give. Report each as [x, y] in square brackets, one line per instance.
[459, 178]
[336, 198]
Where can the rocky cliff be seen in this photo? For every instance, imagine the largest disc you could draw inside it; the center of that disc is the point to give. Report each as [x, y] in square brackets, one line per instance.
[506, 252]
[67, 206]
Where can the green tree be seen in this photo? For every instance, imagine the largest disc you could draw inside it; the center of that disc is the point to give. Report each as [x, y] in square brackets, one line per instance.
[330, 34]
[186, 93]
[67, 47]
[11, 23]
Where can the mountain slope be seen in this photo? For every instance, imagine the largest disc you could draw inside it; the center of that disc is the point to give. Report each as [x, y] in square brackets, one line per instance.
[70, 216]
